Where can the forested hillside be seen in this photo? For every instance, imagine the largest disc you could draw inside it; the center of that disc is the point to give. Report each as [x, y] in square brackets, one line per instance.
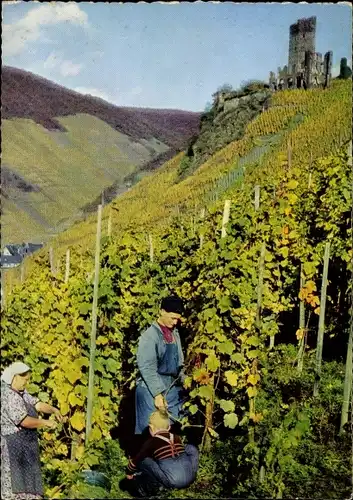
[258, 242]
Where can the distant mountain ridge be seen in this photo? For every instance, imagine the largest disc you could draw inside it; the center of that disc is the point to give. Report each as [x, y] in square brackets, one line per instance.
[26, 95]
[61, 150]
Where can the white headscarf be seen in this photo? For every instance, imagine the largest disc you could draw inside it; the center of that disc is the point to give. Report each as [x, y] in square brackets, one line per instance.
[16, 368]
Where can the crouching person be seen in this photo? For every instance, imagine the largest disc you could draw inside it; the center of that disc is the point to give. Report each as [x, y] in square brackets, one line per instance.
[163, 461]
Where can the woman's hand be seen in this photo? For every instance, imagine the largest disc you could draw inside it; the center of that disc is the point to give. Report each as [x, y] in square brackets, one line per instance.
[51, 424]
[58, 416]
[129, 476]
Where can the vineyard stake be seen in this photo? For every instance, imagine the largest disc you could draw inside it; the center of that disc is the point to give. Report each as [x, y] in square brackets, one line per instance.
[257, 197]
[51, 260]
[22, 272]
[202, 216]
[225, 220]
[3, 290]
[321, 329]
[93, 328]
[309, 181]
[67, 269]
[260, 286]
[150, 239]
[301, 324]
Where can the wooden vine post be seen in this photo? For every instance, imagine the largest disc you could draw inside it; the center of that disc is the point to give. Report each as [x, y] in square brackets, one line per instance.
[321, 328]
[3, 290]
[260, 287]
[150, 239]
[202, 216]
[22, 271]
[67, 267]
[225, 220]
[51, 261]
[301, 325]
[93, 329]
[257, 197]
[206, 440]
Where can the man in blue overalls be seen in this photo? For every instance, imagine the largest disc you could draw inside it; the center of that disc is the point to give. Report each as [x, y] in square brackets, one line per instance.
[160, 362]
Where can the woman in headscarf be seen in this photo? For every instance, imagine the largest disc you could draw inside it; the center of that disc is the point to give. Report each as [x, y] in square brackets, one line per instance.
[21, 477]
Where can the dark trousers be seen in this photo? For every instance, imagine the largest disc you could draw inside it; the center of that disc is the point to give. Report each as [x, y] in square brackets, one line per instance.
[153, 476]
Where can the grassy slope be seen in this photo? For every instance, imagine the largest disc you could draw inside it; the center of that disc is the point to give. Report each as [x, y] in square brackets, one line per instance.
[70, 168]
[325, 121]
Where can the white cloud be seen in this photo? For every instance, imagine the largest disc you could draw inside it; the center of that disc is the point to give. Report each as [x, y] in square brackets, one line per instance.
[28, 29]
[65, 67]
[94, 92]
[69, 68]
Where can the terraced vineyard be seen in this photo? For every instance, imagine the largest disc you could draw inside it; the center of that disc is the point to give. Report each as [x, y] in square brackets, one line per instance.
[314, 122]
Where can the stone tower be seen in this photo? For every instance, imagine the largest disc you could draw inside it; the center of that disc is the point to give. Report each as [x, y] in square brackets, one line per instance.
[301, 40]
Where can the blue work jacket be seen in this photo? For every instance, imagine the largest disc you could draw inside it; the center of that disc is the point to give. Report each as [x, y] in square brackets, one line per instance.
[150, 352]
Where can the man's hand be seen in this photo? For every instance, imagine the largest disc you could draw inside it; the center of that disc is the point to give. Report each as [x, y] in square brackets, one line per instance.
[129, 476]
[160, 402]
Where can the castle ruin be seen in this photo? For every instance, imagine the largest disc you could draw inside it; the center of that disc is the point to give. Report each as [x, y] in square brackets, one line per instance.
[306, 68]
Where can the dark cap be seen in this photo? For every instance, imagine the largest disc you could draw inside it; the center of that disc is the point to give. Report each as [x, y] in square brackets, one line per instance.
[172, 304]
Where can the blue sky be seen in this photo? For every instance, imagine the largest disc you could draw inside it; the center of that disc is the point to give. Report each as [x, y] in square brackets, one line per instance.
[160, 55]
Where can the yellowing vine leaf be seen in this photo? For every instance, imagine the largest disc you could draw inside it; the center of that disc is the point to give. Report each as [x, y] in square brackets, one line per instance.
[96, 433]
[226, 405]
[253, 378]
[187, 382]
[300, 333]
[206, 392]
[292, 198]
[212, 362]
[230, 420]
[226, 347]
[74, 400]
[310, 286]
[231, 377]
[79, 451]
[292, 184]
[252, 391]
[78, 420]
[193, 409]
